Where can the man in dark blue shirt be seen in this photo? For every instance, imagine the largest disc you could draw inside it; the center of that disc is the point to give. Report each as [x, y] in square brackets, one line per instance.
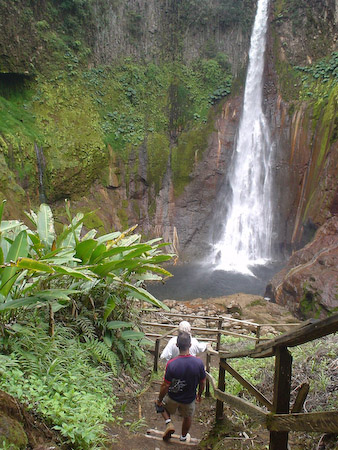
[182, 376]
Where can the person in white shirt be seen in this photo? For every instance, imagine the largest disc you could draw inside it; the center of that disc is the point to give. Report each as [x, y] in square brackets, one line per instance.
[171, 350]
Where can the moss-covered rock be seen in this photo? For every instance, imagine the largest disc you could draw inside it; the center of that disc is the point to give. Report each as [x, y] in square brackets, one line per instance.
[12, 432]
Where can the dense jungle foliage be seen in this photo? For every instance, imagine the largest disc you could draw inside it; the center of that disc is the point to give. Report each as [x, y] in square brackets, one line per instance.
[69, 307]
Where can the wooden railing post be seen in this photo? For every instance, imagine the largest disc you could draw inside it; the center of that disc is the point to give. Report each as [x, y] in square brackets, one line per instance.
[156, 354]
[220, 326]
[221, 386]
[207, 385]
[281, 395]
[258, 333]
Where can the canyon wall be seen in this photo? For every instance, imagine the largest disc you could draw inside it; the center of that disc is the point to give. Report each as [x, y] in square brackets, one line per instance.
[133, 109]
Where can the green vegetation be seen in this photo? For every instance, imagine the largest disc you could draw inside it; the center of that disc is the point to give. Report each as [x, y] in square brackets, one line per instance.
[318, 79]
[313, 362]
[69, 318]
[74, 115]
[61, 380]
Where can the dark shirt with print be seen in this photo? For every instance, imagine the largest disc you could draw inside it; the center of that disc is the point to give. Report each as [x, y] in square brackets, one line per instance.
[184, 374]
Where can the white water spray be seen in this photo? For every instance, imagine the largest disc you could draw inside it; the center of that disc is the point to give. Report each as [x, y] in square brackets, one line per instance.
[246, 238]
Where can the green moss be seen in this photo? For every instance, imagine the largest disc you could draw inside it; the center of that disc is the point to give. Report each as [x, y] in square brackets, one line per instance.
[157, 155]
[123, 216]
[190, 149]
[12, 433]
[73, 141]
[92, 221]
[288, 78]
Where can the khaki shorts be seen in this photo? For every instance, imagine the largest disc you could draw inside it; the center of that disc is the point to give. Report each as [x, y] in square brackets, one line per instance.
[185, 409]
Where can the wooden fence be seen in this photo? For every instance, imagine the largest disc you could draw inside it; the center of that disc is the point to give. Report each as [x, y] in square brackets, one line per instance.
[212, 335]
[281, 418]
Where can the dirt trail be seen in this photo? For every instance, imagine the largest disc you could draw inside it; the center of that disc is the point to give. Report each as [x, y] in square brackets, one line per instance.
[142, 410]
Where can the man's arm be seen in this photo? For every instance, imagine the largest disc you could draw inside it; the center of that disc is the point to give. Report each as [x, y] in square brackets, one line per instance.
[200, 391]
[163, 391]
[167, 352]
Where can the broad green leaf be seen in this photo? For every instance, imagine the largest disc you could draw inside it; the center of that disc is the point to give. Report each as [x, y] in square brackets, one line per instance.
[148, 277]
[110, 306]
[100, 249]
[104, 269]
[116, 324]
[32, 217]
[90, 235]
[45, 225]
[85, 249]
[139, 251]
[7, 225]
[2, 209]
[156, 269]
[153, 241]
[108, 254]
[57, 306]
[72, 272]
[130, 240]
[56, 294]
[2, 259]
[57, 252]
[159, 258]
[19, 303]
[34, 238]
[108, 237]
[108, 339]
[19, 248]
[138, 248]
[132, 335]
[142, 294]
[32, 264]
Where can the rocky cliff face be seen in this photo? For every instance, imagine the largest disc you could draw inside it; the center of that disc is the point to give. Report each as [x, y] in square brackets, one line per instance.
[154, 30]
[308, 283]
[149, 139]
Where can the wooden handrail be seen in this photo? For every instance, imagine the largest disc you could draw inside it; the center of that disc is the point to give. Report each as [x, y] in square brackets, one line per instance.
[203, 330]
[238, 403]
[280, 421]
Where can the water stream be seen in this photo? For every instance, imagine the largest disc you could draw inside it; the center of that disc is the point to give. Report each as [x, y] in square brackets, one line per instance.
[246, 231]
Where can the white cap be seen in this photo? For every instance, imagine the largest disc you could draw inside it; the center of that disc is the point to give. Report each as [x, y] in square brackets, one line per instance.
[184, 326]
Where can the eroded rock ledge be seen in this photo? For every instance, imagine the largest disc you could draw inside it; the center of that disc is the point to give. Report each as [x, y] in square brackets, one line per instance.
[308, 284]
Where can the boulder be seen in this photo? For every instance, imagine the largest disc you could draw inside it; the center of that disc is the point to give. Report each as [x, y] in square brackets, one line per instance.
[12, 432]
[308, 285]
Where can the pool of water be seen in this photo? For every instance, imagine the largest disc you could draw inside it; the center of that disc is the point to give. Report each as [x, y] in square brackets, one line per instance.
[192, 281]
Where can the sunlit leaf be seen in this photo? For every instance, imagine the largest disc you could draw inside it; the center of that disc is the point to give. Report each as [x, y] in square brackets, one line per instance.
[72, 272]
[45, 225]
[32, 264]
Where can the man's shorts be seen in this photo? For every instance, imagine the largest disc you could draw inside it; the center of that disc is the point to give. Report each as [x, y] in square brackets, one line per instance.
[185, 409]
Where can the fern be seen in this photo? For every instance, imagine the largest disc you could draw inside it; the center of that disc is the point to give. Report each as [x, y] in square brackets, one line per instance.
[101, 352]
[86, 326]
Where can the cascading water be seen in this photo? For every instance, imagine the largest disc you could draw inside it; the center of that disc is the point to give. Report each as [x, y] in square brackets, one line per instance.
[246, 236]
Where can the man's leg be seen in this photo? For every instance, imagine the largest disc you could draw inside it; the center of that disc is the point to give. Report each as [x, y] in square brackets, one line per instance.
[170, 429]
[186, 424]
[187, 411]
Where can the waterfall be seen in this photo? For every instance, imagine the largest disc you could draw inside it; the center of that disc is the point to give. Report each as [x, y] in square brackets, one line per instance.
[246, 235]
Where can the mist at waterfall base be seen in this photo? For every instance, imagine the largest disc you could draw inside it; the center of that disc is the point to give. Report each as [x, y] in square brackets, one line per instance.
[191, 281]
